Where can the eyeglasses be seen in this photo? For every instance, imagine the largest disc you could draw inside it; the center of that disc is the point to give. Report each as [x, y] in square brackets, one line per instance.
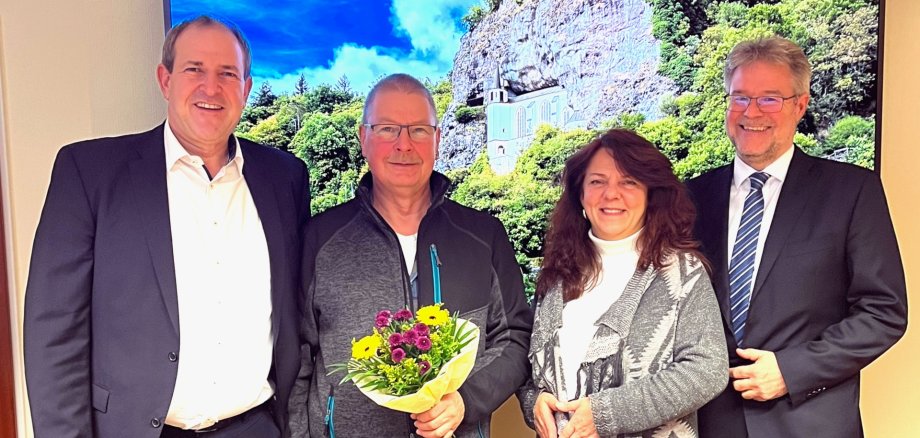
[766, 104]
[390, 132]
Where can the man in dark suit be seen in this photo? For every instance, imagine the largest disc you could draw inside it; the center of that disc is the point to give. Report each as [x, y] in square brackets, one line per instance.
[161, 298]
[805, 262]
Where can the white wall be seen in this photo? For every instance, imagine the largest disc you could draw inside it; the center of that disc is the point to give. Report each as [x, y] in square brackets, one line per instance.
[75, 69]
[69, 70]
[891, 386]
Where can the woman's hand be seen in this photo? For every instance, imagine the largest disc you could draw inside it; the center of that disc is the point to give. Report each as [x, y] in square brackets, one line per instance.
[581, 420]
[543, 415]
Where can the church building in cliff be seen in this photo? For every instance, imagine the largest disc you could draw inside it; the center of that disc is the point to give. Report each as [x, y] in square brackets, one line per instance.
[512, 120]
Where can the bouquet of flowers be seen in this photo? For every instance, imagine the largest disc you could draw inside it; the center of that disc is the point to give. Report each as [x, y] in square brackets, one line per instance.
[410, 361]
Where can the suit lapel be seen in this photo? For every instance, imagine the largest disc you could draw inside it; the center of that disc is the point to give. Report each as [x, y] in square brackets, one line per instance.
[718, 238]
[259, 180]
[148, 181]
[793, 198]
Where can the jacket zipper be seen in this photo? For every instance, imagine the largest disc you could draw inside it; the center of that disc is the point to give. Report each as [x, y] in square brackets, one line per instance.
[330, 409]
[435, 273]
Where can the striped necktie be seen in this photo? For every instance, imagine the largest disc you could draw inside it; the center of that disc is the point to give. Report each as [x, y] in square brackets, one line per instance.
[741, 269]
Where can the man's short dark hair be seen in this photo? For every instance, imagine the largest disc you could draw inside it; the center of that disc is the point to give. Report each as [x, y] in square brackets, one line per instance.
[169, 46]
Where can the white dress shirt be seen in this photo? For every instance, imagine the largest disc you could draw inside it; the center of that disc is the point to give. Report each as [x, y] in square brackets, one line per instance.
[223, 280]
[741, 186]
[579, 316]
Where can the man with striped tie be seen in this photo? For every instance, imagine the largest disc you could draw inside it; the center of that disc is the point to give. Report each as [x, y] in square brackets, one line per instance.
[805, 262]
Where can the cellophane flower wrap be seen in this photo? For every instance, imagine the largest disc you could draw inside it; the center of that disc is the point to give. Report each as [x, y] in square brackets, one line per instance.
[409, 361]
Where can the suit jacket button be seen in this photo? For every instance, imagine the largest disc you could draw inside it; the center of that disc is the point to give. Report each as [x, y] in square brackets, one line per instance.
[155, 422]
[173, 356]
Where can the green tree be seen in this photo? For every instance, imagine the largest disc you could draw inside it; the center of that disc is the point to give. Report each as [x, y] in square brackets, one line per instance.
[264, 96]
[840, 39]
[545, 159]
[443, 94]
[325, 99]
[290, 111]
[473, 17]
[269, 133]
[678, 24]
[344, 86]
[328, 143]
[466, 114]
[524, 199]
[301, 86]
[856, 136]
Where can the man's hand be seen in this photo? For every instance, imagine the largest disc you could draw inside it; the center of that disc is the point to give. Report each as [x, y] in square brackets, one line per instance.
[761, 380]
[442, 419]
[543, 417]
[581, 421]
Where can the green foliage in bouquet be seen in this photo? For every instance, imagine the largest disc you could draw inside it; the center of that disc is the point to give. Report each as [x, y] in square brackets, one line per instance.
[405, 351]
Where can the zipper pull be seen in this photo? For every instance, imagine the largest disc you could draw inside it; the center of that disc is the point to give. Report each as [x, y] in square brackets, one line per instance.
[434, 252]
[435, 274]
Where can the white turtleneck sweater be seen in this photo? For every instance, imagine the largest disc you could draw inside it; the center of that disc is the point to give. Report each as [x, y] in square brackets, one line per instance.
[618, 263]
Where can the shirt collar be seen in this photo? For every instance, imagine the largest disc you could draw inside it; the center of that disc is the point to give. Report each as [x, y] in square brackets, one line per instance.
[175, 151]
[777, 169]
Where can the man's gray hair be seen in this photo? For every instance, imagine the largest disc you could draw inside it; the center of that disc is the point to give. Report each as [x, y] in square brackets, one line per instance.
[169, 46]
[775, 50]
[399, 82]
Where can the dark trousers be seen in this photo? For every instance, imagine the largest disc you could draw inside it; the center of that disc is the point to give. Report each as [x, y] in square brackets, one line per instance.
[259, 424]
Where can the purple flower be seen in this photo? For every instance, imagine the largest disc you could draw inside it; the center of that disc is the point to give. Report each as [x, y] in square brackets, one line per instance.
[423, 343]
[382, 319]
[394, 340]
[402, 315]
[423, 367]
[398, 355]
[421, 329]
[409, 337]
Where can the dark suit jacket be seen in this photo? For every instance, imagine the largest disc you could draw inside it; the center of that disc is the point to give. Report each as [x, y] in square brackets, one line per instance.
[101, 328]
[828, 299]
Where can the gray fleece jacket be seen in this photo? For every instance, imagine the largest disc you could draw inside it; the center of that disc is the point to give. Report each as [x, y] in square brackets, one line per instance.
[658, 354]
[354, 267]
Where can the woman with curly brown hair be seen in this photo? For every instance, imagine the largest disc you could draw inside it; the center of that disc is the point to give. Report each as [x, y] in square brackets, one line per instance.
[627, 339]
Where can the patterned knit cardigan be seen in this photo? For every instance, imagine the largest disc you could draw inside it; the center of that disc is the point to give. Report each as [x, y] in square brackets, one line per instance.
[658, 354]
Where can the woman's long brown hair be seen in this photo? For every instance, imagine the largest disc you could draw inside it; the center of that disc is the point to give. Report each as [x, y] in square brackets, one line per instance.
[571, 260]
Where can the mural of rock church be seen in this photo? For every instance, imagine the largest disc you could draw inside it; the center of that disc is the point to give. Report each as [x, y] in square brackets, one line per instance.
[566, 63]
[512, 120]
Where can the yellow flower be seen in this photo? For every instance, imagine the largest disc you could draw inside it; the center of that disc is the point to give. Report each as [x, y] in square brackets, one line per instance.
[366, 348]
[432, 315]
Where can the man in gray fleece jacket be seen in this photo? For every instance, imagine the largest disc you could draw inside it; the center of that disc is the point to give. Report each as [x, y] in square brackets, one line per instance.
[378, 252]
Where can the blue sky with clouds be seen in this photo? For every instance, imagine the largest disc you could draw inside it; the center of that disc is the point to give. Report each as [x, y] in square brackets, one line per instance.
[323, 40]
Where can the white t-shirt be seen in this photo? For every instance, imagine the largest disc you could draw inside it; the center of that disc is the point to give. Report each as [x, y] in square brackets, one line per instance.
[408, 244]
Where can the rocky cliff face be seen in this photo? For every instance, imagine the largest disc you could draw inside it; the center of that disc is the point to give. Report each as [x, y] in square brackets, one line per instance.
[600, 51]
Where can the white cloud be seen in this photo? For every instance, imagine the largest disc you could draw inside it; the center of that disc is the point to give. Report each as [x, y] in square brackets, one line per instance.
[430, 24]
[430, 27]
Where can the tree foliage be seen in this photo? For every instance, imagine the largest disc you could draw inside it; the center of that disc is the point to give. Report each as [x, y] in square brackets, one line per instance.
[838, 37]
[264, 96]
[324, 99]
[443, 94]
[473, 17]
[268, 132]
[319, 124]
[466, 114]
[328, 143]
[523, 199]
[301, 86]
